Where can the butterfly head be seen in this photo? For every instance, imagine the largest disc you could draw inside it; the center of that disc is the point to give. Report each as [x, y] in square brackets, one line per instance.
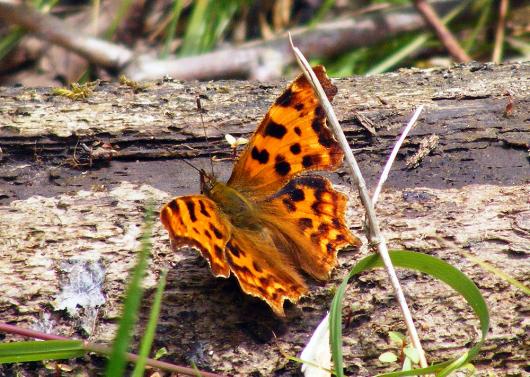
[208, 182]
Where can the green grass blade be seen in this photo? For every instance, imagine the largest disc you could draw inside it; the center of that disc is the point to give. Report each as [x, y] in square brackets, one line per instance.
[220, 16]
[415, 44]
[18, 352]
[195, 30]
[501, 274]
[521, 45]
[133, 297]
[429, 265]
[172, 28]
[481, 25]
[123, 8]
[8, 42]
[150, 331]
[335, 315]
[321, 12]
[399, 55]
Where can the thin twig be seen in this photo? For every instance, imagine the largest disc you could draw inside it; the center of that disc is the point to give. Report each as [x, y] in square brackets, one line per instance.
[374, 233]
[499, 33]
[102, 349]
[54, 30]
[443, 33]
[394, 153]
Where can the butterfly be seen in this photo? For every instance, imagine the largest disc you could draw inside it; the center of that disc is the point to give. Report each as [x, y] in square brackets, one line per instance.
[269, 222]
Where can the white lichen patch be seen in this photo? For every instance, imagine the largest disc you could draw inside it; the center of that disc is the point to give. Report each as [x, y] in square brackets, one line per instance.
[77, 250]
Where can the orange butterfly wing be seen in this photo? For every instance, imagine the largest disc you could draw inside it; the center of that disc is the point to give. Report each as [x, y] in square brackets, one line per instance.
[304, 215]
[301, 227]
[289, 222]
[310, 213]
[293, 137]
[195, 221]
[262, 269]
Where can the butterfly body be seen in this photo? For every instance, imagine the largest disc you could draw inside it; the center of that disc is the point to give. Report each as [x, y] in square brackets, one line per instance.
[233, 205]
[269, 222]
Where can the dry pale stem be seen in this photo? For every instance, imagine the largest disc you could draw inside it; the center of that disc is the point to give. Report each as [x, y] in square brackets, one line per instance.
[375, 235]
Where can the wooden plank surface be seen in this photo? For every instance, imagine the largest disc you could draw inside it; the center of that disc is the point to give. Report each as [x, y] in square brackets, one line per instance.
[68, 217]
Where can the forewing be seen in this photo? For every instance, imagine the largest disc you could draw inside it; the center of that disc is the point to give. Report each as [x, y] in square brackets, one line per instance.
[293, 137]
[310, 212]
[195, 221]
[262, 270]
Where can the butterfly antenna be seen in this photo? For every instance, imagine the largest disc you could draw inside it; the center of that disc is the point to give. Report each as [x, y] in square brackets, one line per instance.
[190, 164]
[201, 111]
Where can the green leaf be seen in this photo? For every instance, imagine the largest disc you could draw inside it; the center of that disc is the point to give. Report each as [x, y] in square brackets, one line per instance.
[133, 297]
[149, 335]
[18, 352]
[160, 352]
[407, 364]
[388, 357]
[437, 269]
[412, 354]
[397, 337]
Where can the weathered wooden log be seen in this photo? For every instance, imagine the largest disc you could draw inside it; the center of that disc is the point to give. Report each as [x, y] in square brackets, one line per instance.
[75, 177]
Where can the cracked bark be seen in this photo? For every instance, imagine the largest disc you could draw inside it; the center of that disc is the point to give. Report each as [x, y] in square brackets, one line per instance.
[66, 213]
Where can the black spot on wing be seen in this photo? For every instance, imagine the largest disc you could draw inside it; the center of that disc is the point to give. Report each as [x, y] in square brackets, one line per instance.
[216, 231]
[234, 250]
[285, 99]
[218, 252]
[297, 195]
[174, 207]
[289, 205]
[317, 125]
[299, 106]
[257, 267]
[244, 270]
[203, 209]
[324, 136]
[318, 183]
[311, 160]
[282, 167]
[191, 210]
[295, 148]
[275, 130]
[319, 112]
[323, 228]
[305, 223]
[262, 157]
[298, 131]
